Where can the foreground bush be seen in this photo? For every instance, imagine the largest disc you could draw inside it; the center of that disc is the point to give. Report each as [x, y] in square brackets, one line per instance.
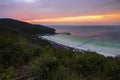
[15, 50]
[8, 73]
[56, 64]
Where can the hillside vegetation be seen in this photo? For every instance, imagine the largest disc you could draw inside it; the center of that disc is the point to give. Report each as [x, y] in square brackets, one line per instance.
[24, 57]
[25, 27]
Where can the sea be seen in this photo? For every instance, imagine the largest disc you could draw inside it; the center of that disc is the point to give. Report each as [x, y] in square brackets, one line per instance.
[103, 39]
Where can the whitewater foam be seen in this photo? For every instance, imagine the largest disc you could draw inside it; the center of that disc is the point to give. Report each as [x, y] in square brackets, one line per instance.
[71, 41]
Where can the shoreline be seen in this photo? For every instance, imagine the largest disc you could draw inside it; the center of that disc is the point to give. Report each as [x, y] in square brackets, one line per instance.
[64, 46]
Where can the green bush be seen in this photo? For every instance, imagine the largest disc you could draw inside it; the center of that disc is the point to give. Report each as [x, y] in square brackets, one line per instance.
[57, 64]
[15, 49]
[7, 74]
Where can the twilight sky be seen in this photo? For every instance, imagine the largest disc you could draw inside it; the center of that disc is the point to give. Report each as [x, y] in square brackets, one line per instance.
[62, 11]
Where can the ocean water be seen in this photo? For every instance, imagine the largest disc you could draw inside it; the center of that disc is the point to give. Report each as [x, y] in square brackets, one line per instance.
[104, 40]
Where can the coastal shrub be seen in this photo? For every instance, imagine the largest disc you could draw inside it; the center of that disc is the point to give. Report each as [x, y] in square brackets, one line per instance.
[58, 64]
[7, 74]
[52, 65]
[15, 50]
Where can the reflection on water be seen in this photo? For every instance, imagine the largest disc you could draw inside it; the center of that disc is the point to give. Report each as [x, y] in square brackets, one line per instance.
[110, 32]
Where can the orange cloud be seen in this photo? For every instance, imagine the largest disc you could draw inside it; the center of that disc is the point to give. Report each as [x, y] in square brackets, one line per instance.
[79, 19]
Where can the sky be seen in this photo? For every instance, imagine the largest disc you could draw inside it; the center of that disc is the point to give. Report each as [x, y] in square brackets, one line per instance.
[76, 12]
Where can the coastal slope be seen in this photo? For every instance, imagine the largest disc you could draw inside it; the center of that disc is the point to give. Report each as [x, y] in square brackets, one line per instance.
[25, 27]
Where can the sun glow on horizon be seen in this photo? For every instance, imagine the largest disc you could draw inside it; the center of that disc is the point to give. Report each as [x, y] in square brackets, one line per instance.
[67, 19]
[79, 19]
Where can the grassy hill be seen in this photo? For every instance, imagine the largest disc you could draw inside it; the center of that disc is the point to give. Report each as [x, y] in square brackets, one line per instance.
[16, 25]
